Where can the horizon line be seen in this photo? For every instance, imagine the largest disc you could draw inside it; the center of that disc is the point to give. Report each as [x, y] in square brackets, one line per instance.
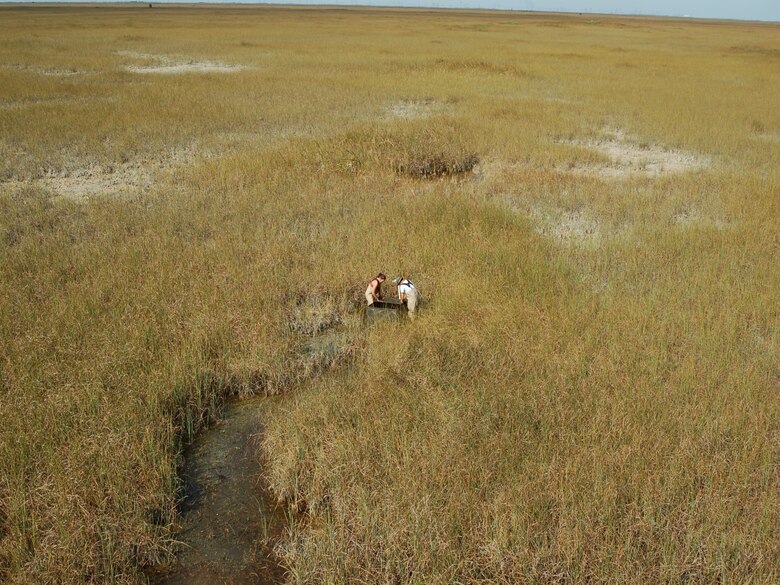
[383, 4]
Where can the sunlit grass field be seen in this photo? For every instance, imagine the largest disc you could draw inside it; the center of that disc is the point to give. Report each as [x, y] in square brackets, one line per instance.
[591, 392]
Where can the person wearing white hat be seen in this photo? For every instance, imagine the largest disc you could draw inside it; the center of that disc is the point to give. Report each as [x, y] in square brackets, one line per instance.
[407, 293]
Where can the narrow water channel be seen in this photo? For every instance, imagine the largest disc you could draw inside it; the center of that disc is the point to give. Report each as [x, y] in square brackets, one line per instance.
[227, 513]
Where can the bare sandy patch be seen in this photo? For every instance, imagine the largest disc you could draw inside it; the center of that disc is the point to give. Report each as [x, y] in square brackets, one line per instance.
[98, 180]
[138, 54]
[566, 227]
[89, 182]
[47, 71]
[411, 109]
[631, 157]
[171, 65]
[189, 67]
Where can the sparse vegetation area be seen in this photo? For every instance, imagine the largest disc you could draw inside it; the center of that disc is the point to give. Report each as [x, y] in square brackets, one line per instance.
[190, 195]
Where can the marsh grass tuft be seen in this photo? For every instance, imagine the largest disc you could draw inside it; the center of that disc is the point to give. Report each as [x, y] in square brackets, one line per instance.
[435, 166]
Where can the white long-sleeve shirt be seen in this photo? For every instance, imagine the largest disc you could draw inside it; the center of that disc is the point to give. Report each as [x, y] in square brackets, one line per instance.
[406, 287]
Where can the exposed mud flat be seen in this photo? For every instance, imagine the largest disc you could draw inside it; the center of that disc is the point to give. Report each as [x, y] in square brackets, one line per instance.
[630, 157]
[227, 514]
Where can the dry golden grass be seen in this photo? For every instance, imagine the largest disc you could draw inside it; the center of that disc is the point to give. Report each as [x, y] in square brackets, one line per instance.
[570, 407]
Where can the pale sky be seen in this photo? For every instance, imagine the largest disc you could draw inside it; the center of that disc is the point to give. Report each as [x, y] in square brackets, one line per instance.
[736, 9]
[739, 9]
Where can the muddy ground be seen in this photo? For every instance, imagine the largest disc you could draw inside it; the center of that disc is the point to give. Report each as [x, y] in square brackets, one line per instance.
[227, 514]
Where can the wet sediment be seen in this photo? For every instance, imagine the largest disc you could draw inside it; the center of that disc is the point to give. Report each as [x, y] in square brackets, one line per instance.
[229, 519]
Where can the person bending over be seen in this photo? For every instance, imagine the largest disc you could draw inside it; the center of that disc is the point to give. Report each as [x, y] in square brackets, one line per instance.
[374, 290]
[408, 294]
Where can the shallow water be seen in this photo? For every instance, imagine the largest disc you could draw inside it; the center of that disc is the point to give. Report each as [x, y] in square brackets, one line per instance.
[227, 513]
[384, 310]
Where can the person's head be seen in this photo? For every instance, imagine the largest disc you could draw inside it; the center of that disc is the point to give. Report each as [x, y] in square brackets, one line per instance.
[397, 280]
[381, 277]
